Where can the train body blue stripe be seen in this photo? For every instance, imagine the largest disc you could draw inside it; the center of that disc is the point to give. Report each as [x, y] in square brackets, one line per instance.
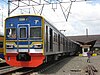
[31, 20]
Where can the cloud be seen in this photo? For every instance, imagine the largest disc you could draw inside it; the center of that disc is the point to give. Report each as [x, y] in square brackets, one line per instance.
[3, 15]
[85, 15]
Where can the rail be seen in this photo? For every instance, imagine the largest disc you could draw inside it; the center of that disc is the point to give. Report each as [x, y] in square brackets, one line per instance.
[8, 69]
[90, 69]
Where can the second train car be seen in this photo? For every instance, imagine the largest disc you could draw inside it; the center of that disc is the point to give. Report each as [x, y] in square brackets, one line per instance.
[31, 40]
[1, 46]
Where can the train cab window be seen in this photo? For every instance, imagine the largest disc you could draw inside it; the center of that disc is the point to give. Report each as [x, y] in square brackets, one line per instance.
[11, 33]
[23, 33]
[35, 32]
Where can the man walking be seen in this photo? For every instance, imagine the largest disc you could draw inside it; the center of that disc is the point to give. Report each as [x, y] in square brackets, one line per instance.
[88, 55]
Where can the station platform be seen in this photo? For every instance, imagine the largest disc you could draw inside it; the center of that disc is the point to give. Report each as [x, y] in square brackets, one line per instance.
[74, 66]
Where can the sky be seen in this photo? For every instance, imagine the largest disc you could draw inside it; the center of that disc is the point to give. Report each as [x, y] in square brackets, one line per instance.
[83, 15]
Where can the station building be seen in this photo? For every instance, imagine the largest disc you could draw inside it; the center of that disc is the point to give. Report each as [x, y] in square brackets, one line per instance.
[88, 43]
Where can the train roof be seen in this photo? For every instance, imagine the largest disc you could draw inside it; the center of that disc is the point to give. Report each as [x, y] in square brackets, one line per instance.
[23, 15]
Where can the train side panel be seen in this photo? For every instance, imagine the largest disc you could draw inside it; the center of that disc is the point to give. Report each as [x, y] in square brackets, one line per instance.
[55, 43]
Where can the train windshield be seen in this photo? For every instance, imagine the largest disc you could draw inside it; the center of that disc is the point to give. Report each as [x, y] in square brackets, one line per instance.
[11, 33]
[35, 33]
[23, 33]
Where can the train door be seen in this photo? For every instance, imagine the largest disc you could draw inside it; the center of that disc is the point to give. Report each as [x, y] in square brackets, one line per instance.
[63, 44]
[46, 38]
[51, 39]
[23, 38]
[58, 42]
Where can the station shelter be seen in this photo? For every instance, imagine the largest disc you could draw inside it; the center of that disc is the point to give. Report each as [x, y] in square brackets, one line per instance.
[87, 43]
[86, 47]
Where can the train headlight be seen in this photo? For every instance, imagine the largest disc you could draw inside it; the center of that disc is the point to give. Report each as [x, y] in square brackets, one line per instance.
[38, 46]
[9, 46]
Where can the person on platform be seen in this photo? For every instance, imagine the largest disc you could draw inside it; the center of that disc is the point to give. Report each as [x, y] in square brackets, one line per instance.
[88, 55]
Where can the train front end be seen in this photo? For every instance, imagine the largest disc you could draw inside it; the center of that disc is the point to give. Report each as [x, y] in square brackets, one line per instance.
[24, 41]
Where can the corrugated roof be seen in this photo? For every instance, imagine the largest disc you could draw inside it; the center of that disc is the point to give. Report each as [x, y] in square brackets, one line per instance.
[85, 38]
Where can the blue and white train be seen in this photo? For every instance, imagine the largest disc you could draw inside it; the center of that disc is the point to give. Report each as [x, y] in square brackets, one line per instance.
[30, 41]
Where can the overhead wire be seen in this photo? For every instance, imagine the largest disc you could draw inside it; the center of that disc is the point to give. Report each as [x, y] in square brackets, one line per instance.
[66, 17]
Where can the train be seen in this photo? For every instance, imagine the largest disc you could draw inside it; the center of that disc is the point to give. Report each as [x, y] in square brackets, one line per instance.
[1, 46]
[31, 40]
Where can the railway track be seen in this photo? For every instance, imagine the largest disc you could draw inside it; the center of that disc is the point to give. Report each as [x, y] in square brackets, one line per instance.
[90, 69]
[3, 64]
[30, 71]
[47, 66]
[8, 69]
[53, 64]
[44, 67]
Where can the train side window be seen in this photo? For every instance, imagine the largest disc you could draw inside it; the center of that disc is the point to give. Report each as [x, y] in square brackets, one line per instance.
[61, 40]
[1, 44]
[55, 37]
[11, 33]
[66, 44]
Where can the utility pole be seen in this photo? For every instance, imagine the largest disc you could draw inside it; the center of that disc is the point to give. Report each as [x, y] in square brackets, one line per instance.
[8, 7]
[2, 16]
[86, 32]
